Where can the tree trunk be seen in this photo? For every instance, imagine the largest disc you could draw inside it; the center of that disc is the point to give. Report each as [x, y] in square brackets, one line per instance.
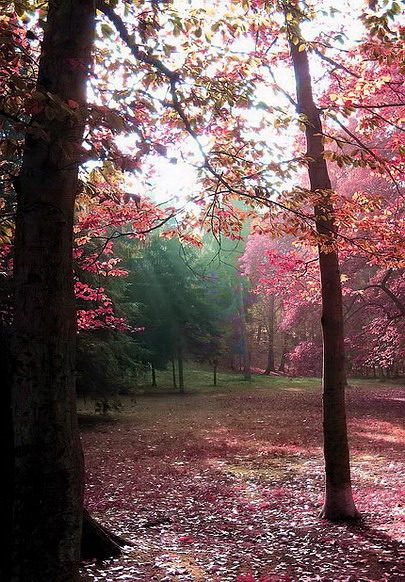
[270, 337]
[244, 338]
[174, 374]
[48, 493]
[98, 542]
[7, 481]
[180, 361]
[338, 502]
[283, 359]
[154, 384]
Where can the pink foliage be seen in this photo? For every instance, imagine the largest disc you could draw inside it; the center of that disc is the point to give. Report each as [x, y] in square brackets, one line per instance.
[305, 359]
[99, 313]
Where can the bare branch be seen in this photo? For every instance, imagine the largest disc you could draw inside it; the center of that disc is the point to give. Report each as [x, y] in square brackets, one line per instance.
[334, 63]
[370, 152]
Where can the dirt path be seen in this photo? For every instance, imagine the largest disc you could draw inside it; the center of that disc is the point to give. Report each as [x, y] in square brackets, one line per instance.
[226, 487]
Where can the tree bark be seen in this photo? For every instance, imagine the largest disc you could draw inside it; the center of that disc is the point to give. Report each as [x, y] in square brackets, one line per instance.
[270, 337]
[338, 504]
[283, 359]
[98, 542]
[180, 362]
[153, 370]
[244, 337]
[48, 493]
[174, 374]
[7, 481]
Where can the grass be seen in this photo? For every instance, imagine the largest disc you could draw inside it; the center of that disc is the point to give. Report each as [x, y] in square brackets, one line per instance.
[200, 379]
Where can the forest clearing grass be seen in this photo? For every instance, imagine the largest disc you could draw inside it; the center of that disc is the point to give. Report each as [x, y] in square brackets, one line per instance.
[226, 483]
[200, 378]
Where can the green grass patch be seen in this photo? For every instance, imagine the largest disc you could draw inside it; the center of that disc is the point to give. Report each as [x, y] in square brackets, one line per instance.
[201, 379]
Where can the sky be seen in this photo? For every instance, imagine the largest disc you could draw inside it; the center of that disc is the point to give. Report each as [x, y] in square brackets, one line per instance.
[174, 182]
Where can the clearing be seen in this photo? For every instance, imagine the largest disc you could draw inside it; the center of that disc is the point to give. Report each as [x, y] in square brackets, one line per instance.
[225, 485]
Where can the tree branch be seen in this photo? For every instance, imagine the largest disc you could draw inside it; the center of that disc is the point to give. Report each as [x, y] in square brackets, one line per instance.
[133, 47]
[334, 63]
[398, 303]
[369, 151]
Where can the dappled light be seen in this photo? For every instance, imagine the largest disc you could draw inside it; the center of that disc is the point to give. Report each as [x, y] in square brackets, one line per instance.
[383, 431]
[213, 488]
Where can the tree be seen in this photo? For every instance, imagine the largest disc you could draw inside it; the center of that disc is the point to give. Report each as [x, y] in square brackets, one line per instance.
[48, 479]
[49, 108]
[175, 309]
[338, 503]
[285, 276]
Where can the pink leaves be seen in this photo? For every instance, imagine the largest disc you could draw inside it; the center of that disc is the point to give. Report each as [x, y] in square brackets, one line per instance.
[150, 475]
[266, 578]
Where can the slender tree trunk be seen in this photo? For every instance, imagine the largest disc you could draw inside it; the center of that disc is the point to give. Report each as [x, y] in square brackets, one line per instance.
[245, 360]
[180, 362]
[153, 370]
[174, 374]
[270, 337]
[338, 502]
[215, 367]
[283, 358]
[48, 493]
[270, 358]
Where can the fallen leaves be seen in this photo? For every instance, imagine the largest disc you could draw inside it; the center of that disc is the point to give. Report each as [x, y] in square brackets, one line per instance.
[196, 490]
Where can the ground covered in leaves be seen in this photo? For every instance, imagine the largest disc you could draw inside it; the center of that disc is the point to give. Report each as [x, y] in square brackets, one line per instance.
[225, 485]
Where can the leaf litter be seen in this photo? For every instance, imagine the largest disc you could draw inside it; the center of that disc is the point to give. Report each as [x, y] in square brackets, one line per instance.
[227, 488]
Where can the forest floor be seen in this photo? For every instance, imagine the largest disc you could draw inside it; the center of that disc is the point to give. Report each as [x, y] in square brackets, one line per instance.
[225, 485]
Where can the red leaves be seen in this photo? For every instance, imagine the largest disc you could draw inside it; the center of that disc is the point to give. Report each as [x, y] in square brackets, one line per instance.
[186, 539]
[73, 104]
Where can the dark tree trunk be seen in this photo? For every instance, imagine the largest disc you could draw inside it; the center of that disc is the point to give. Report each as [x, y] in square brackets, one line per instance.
[338, 502]
[48, 492]
[7, 481]
[174, 374]
[270, 359]
[154, 384]
[97, 542]
[180, 362]
[215, 368]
